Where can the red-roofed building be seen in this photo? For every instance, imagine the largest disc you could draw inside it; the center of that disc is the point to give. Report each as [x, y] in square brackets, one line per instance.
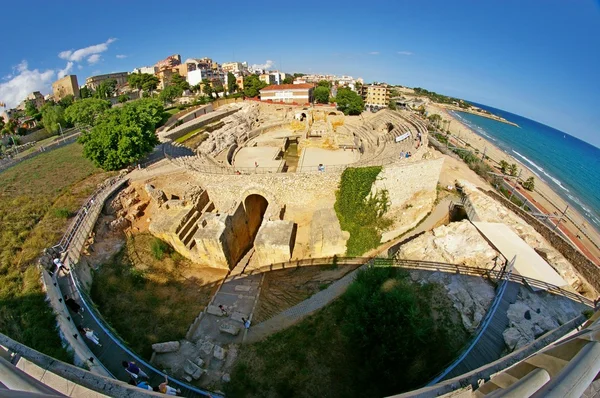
[288, 93]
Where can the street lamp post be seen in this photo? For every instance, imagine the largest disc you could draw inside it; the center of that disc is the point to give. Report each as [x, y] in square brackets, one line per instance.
[61, 132]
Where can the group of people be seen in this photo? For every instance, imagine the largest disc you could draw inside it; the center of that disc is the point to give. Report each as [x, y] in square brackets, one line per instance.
[405, 154]
[139, 378]
[245, 322]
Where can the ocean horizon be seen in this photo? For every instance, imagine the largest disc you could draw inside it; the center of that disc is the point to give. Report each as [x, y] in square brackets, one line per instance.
[570, 166]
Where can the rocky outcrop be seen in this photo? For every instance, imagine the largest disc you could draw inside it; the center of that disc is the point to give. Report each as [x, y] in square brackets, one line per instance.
[456, 243]
[490, 210]
[169, 346]
[472, 296]
[534, 314]
[157, 195]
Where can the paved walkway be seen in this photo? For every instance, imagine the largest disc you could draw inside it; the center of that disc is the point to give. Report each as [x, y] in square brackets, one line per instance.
[300, 311]
[112, 352]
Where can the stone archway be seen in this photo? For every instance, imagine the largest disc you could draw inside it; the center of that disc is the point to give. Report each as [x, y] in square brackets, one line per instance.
[255, 206]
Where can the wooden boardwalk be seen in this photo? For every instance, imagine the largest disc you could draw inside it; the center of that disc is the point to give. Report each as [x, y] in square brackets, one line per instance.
[490, 345]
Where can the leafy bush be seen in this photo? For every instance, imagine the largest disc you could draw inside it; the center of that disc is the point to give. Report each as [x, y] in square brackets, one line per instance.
[160, 249]
[361, 213]
[390, 322]
[62, 213]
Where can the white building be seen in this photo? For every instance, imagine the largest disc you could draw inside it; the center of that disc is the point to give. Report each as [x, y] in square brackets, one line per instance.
[197, 76]
[146, 69]
[288, 93]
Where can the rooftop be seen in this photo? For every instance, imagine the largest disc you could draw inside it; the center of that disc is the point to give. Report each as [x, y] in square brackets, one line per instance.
[276, 87]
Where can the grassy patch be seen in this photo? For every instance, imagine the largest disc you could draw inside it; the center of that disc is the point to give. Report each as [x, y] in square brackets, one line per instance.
[385, 335]
[361, 213]
[35, 196]
[149, 300]
[160, 248]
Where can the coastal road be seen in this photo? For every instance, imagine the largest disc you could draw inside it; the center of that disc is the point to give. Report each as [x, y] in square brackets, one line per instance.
[526, 197]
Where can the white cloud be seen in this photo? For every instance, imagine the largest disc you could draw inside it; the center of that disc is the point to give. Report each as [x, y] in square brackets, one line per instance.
[405, 53]
[374, 53]
[64, 72]
[86, 52]
[80, 67]
[24, 82]
[121, 56]
[267, 65]
[92, 59]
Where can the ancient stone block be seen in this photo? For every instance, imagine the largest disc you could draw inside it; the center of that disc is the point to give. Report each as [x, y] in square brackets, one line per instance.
[226, 378]
[156, 194]
[219, 352]
[169, 346]
[229, 329]
[214, 310]
[274, 242]
[206, 347]
[192, 369]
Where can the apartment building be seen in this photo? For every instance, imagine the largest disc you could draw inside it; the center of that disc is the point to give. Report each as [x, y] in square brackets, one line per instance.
[376, 95]
[288, 93]
[199, 75]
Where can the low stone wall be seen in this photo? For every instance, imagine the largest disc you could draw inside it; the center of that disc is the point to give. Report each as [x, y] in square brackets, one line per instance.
[196, 123]
[77, 376]
[579, 261]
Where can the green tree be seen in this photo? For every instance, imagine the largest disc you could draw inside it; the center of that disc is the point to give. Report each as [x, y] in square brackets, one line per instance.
[106, 89]
[66, 101]
[123, 135]
[232, 86]
[178, 81]
[503, 166]
[298, 75]
[288, 80]
[85, 112]
[207, 88]
[52, 117]
[30, 109]
[321, 94]
[85, 92]
[10, 127]
[392, 105]
[123, 98]
[349, 102]
[435, 119]
[324, 83]
[529, 184]
[143, 81]
[170, 93]
[253, 85]
[513, 170]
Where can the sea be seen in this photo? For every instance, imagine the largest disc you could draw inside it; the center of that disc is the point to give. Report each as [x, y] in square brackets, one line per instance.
[570, 166]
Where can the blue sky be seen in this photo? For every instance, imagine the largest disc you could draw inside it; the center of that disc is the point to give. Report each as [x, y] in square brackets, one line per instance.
[539, 59]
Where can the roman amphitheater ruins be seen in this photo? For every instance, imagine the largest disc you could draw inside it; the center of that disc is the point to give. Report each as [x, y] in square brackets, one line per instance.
[249, 188]
[266, 180]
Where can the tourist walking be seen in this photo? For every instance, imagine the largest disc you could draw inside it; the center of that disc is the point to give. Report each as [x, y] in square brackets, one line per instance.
[72, 304]
[223, 311]
[59, 266]
[133, 370]
[89, 333]
[246, 323]
[166, 389]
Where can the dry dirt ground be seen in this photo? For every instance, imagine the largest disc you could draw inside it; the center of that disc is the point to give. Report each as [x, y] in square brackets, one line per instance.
[286, 288]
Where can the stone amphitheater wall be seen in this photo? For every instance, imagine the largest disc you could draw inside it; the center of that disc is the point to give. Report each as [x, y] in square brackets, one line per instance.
[317, 190]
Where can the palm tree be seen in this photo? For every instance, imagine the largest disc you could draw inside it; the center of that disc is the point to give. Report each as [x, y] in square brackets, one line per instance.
[513, 170]
[503, 166]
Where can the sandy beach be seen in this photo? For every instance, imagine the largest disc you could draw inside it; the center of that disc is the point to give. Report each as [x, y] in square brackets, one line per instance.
[545, 199]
